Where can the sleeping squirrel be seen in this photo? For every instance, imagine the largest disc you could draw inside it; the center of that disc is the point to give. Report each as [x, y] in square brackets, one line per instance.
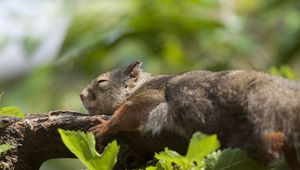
[246, 109]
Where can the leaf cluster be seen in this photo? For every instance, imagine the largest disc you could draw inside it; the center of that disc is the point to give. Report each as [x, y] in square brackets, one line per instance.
[202, 154]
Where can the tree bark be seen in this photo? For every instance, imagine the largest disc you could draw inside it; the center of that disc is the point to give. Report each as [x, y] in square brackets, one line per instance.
[35, 139]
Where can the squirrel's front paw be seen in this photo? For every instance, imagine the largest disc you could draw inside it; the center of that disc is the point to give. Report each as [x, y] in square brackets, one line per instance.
[101, 129]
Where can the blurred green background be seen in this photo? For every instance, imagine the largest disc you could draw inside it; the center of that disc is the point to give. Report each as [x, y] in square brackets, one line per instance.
[169, 36]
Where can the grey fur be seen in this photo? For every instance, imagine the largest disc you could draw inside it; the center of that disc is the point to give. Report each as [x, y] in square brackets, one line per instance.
[239, 106]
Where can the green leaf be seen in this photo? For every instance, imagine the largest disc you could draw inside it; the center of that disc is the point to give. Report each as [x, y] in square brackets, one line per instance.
[151, 168]
[200, 146]
[109, 156]
[211, 160]
[237, 159]
[83, 146]
[164, 165]
[172, 156]
[11, 111]
[161, 165]
[4, 148]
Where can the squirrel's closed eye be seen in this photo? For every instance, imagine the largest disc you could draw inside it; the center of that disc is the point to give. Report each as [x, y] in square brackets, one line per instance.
[102, 82]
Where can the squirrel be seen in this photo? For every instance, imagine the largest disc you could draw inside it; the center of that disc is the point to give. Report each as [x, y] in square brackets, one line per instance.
[250, 110]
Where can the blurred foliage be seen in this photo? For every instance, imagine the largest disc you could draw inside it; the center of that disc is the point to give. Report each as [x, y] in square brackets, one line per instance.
[4, 148]
[169, 36]
[3, 41]
[10, 110]
[62, 163]
[181, 35]
[1, 95]
[30, 44]
[284, 71]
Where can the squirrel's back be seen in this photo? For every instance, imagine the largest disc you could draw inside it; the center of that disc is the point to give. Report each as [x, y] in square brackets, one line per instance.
[246, 109]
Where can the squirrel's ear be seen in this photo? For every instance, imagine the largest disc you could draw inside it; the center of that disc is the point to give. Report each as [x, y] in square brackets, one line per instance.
[133, 69]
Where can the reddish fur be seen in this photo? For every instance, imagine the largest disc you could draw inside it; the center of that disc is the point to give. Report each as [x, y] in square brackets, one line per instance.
[130, 114]
[278, 145]
[276, 139]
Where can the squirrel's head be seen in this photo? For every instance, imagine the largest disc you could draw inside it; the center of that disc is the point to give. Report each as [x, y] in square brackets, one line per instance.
[110, 89]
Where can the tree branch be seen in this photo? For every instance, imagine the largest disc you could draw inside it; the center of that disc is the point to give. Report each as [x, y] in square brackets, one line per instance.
[35, 139]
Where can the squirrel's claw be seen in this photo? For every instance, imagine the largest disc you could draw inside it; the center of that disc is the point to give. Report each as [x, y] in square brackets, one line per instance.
[101, 129]
[93, 129]
[101, 120]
